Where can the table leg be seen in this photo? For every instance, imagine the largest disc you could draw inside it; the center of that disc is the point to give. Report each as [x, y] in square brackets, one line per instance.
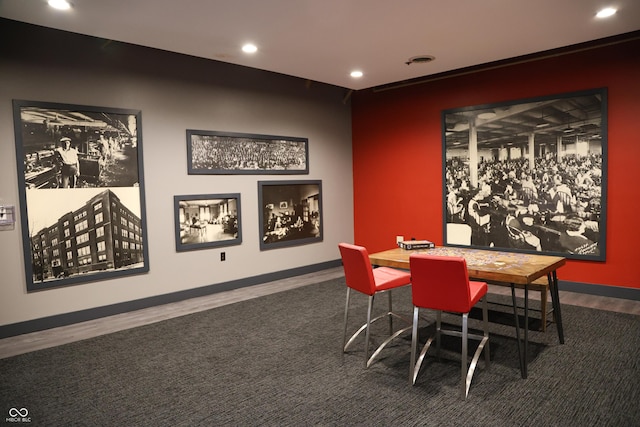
[526, 329]
[555, 301]
[517, 320]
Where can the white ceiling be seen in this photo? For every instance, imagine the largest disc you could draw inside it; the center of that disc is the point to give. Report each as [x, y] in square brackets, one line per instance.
[324, 40]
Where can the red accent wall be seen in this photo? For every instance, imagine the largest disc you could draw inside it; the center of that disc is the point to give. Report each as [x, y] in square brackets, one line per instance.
[397, 151]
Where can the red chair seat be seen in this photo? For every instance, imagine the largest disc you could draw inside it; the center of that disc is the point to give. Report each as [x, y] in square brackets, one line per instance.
[389, 278]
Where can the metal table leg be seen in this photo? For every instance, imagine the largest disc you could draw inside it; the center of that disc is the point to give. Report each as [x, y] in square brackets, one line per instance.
[521, 353]
[523, 348]
[555, 301]
[526, 330]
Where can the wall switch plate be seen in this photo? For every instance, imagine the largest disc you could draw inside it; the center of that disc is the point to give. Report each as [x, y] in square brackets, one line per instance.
[7, 217]
[223, 256]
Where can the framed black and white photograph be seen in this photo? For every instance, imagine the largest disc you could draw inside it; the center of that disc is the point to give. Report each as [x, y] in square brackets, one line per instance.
[81, 192]
[528, 175]
[207, 221]
[290, 213]
[232, 153]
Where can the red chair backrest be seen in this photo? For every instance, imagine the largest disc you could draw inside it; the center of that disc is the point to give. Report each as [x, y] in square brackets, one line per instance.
[440, 283]
[357, 268]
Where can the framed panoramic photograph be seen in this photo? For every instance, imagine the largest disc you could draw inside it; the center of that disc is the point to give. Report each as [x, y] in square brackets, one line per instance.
[230, 153]
[81, 191]
[291, 213]
[207, 221]
[528, 175]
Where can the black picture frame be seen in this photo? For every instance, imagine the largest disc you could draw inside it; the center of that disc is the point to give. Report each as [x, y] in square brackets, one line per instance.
[233, 153]
[528, 175]
[207, 221]
[296, 222]
[82, 207]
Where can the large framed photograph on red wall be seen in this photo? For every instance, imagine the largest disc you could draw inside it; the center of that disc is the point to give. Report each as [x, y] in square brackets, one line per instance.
[528, 175]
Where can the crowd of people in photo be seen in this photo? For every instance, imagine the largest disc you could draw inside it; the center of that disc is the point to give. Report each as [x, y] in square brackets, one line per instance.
[554, 206]
[226, 154]
[288, 225]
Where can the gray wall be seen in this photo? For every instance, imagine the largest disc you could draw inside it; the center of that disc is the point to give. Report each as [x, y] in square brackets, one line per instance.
[174, 93]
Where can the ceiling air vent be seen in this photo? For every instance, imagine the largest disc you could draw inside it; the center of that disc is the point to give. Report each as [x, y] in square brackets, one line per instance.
[421, 59]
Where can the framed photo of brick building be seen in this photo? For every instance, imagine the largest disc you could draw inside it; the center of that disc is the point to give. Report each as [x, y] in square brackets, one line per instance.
[290, 213]
[528, 175]
[81, 191]
[207, 221]
[232, 153]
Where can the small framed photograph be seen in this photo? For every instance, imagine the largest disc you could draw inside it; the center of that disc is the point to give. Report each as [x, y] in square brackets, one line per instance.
[291, 213]
[207, 221]
[81, 193]
[232, 153]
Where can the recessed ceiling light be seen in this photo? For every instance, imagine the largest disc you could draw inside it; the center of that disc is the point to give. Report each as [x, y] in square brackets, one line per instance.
[249, 48]
[606, 12]
[356, 74]
[60, 4]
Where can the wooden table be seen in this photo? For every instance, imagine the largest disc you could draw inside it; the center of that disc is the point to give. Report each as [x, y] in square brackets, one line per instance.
[508, 268]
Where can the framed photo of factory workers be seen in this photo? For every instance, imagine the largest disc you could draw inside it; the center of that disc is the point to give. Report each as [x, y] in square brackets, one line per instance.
[81, 193]
[291, 213]
[232, 153]
[207, 221]
[528, 175]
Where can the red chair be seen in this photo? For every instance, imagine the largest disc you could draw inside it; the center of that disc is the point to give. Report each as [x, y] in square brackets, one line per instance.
[442, 283]
[361, 277]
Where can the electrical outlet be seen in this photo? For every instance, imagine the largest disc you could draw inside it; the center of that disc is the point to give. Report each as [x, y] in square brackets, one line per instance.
[223, 256]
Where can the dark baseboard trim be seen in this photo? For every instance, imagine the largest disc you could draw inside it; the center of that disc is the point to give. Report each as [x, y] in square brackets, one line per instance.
[124, 307]
[600, 290]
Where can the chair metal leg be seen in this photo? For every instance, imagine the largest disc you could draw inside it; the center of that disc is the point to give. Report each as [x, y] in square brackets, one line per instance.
[385, 342]
[484, 342]
[466, 382]
[390, 316]
[366, 328]
[485, 323]
[366, 339]
[346, 315]
[414, 344]
[392, 335]
[414, 368]
[438, 332]
[466, 370]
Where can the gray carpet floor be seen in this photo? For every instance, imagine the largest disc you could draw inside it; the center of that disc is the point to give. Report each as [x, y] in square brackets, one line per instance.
[276, 360]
